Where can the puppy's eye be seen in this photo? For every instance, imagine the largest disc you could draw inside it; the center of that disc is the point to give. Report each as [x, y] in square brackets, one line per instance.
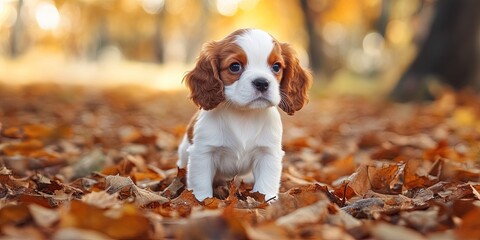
[276, 67]
[235, 67]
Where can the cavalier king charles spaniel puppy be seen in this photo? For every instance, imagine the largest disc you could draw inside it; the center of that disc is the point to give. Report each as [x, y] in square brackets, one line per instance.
[238, 82]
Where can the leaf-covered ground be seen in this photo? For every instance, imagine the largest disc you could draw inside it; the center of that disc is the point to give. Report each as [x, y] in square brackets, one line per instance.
[77, 163]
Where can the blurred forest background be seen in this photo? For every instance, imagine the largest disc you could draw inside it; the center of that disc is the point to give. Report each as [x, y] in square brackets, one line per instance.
[405, 48]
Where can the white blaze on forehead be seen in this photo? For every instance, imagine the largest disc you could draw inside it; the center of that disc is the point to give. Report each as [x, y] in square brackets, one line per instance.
[257, 45]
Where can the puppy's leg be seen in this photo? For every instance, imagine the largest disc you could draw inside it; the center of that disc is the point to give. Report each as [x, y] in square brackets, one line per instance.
[200, 173]
[267, 172]
[182, 153]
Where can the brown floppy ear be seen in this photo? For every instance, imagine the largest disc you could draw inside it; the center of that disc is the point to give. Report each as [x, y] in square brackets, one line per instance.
[295, 82]
[206, 88]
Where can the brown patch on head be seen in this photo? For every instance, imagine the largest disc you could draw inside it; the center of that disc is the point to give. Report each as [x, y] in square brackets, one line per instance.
[276, 57]
[230, 54]
[211, 73]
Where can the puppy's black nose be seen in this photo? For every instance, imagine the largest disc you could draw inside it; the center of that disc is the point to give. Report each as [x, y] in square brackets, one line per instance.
[261, 84]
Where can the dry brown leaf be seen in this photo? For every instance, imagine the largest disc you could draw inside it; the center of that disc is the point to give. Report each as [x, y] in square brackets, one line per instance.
[102, 199]
[144, 197]
[22, 232]
[74, 234]
[24, 148]
[251, 202]
[213, 203]
[180, 206]
[37, 131]
[88, 163]
[392, 232]
[293, 199]
[44, 217]
[470, 226]
[363, 208]
[359, 181]
[117, 183]
[422, 141]
[475, 189]
[369, 140]
[211, 227]
[128, 225]
[5, 171]
[129, 134]
[415, 175]
[268, 230]
[343, 219]
[12, 132]
[339, 168]
[44, 200]
[343, 191]
[422, 221]
[13, 214]
[463, 206]
[387, 153]
[315, 213]
[176, 185]
[382, 176]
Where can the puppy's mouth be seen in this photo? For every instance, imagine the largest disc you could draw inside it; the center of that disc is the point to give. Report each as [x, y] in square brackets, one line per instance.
[260, 102]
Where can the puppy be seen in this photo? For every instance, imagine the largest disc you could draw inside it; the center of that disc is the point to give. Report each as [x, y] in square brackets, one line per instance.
[237, 83]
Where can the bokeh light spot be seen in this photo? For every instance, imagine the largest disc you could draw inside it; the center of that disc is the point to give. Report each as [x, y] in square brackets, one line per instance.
[373, 43]
[227, 7]
[47, 16]
[153, 6]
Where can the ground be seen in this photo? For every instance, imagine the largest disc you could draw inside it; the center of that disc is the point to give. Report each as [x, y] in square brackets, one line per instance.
[89, 163]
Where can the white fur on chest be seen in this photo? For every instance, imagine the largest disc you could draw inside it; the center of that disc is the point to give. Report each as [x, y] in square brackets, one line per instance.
[235, 137]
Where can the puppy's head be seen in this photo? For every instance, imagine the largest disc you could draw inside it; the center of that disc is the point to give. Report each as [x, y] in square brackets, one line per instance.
[249, 69]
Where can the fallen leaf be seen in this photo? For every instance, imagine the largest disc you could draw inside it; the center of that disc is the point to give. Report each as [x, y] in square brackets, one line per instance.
[177, 185]
[117, 183]
[44, 217]
[294, 199]
[211, 227]
[359, 181]
[392, 232]
[315, 213]
[423, 221]
[24, 148]
[74, 233]
[88, 163]
[268, 230]
[475, 190]
[129, 224]
[470, 226]
[102, 199]
[144, 197]
[37, 131]
[363, 207]
[12, 132]
[416, 176]
[14, 214]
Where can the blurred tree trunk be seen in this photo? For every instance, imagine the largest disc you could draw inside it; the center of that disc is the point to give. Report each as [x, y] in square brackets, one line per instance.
[384, 17]
[449, 52]
[16, 32]
[101, 39]
[314, 48]
[158, 41]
